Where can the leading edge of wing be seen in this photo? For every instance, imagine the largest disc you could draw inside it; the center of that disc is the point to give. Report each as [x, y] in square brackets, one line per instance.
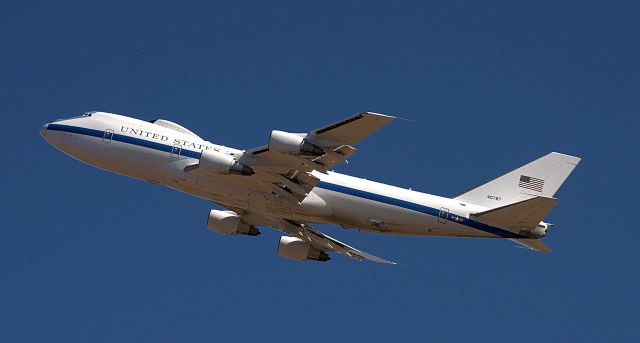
[345, 132]
[353, 129]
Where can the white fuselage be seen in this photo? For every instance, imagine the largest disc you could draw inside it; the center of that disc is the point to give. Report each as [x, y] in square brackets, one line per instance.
[159, 152]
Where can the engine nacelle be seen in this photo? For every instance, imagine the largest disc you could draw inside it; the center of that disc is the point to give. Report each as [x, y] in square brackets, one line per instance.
[292, 144]
[296, 249]
[219, 163]
[229, 223]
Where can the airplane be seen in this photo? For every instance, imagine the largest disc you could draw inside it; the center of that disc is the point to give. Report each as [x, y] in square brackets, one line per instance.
[288, 184]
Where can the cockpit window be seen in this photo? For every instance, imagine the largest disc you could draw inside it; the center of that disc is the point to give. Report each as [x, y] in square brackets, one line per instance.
[84, 115]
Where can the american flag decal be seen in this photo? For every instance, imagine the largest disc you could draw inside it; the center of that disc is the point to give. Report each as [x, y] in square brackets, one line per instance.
[531, 183]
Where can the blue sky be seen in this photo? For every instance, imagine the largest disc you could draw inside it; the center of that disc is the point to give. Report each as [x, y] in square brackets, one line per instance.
[90, 256]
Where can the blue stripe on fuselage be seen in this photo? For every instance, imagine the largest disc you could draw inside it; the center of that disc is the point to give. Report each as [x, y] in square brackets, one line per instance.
[124, 139]
[418, 208]
[322, 184]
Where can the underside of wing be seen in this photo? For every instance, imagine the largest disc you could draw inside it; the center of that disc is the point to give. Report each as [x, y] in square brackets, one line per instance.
[352, 130]
[302, 242]
[289, 159]
[322, 242]
[531, 243]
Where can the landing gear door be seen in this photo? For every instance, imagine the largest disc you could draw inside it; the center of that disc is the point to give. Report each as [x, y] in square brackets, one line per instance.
[442, 216]
[107, 136]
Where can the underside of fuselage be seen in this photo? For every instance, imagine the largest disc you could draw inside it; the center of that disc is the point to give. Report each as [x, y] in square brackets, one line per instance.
[327, 206]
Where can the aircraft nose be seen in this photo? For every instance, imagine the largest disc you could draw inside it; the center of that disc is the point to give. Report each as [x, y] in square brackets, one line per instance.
[43, 130]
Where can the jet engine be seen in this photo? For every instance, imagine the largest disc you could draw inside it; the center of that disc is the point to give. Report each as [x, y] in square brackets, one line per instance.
[229, 223]
[219, 163]
[292, 144]
[296, 249]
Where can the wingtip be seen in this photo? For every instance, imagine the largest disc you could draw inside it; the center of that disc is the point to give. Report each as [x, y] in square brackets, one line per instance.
[532, 244]
[380, 260]
[379, 115]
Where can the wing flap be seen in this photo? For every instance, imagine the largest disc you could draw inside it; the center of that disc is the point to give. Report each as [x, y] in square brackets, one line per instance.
[335, 156]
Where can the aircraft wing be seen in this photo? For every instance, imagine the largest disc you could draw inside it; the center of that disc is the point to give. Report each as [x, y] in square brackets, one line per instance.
[288, 173]
[323, 242]
[352, 130]
[531, 243]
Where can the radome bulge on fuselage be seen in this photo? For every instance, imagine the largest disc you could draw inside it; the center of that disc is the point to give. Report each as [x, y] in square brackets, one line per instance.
[287, 184]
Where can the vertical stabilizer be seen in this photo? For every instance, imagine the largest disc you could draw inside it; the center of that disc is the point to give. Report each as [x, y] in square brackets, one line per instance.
[541, 177]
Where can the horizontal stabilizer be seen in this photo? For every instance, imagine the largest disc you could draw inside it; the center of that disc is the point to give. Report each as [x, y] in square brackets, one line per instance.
[533, 244]
[525, 214]
[541, 177]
